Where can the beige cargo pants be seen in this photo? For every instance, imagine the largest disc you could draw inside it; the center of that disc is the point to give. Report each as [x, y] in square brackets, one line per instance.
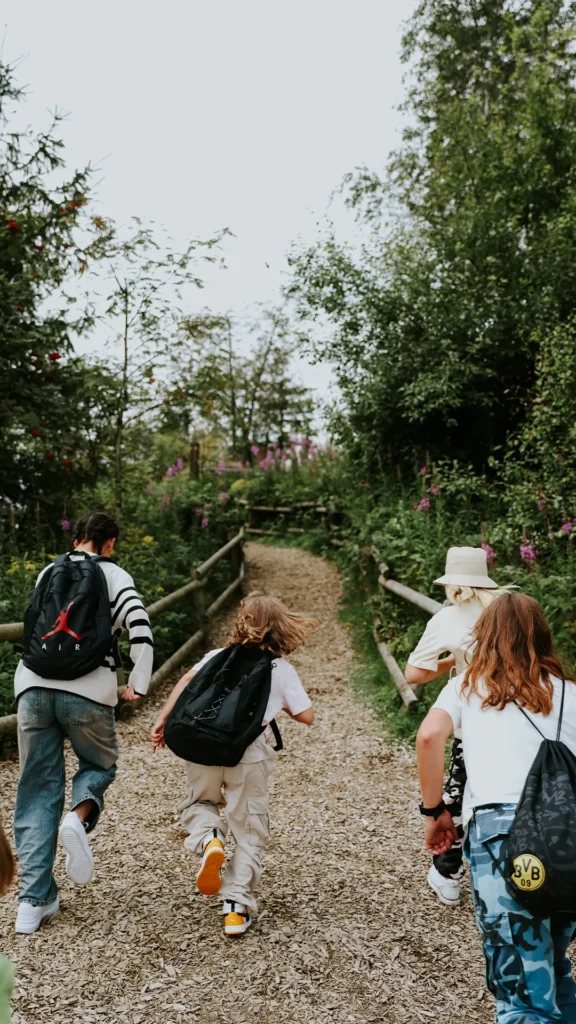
[242, 793]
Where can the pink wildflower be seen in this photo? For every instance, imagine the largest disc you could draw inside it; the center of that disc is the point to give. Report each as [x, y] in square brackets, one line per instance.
[64, 525]
[567, 527]
[434, 489]
[423, 470]
[424, 503]
[204, 523]
[490, 553]
[224, 497]
[528, 553]
[255, 449]
[179, 465]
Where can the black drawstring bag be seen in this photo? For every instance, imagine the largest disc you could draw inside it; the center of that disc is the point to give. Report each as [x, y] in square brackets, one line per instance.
[219, 714]
[541, 854]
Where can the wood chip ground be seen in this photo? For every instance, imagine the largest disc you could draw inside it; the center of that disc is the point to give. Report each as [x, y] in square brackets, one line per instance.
[348, 932]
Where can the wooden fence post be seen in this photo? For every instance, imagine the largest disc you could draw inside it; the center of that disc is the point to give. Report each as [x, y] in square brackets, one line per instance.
[195, 460]
[236, 558]
[199, 604]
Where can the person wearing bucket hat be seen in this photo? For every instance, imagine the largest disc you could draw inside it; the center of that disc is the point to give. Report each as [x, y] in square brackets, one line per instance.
[470, 590]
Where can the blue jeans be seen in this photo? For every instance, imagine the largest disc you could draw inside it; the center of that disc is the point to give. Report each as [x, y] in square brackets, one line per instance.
[527, 967]
[45, 718]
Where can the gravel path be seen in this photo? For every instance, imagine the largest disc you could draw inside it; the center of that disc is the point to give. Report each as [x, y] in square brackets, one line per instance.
[348, 931]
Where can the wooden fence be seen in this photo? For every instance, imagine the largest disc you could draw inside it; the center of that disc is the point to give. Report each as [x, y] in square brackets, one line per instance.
[194, 590]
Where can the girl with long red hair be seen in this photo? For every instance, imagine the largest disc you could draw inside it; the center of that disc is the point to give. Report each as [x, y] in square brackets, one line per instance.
[515, 681]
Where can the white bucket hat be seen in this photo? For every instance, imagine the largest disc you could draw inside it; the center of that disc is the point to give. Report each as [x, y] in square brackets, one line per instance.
[467, 567]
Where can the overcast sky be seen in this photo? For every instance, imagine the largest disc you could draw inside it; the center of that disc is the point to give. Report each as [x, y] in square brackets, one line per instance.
[223, 113]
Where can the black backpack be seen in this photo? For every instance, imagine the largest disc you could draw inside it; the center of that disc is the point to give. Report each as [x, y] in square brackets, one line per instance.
[220, 712]
[68, 623]
[541, 853]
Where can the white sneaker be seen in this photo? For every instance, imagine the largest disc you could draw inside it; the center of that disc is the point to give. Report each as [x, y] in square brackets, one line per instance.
[79, 859]
[237, 920]
[446, 889]
[30, 918]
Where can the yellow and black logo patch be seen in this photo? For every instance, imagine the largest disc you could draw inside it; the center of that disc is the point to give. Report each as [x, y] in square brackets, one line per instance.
[529, 872]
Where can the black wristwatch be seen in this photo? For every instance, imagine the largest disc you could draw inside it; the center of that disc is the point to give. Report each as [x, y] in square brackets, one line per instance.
[433, 812]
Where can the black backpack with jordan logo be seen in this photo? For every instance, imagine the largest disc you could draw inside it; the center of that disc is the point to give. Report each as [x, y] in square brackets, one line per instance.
[68, 622]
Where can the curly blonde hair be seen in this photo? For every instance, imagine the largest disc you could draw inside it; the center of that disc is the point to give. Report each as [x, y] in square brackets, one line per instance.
[266, 621]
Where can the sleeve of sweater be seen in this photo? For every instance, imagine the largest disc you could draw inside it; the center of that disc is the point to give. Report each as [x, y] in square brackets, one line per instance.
[129, 612]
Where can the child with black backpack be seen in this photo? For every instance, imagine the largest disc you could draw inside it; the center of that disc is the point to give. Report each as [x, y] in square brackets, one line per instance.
[219, 717]
[66, 687]
[518, 719]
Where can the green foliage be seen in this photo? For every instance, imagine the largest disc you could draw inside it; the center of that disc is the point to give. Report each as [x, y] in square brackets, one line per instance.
[245, 401]
[171, 527]
[436, 325]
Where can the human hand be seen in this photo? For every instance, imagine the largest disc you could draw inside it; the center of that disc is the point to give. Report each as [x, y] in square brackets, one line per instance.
[157, 734]
[130, 693]
[439, 835]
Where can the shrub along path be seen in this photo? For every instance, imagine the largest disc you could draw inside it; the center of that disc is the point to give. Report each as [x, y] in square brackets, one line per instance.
[348, 930]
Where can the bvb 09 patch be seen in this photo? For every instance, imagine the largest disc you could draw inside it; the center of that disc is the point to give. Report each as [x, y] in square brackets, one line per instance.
[529, 873]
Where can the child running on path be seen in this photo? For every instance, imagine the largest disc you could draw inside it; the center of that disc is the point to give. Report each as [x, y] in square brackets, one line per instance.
[243, 790]
[80, 708]
[514, 683]
[469, 590]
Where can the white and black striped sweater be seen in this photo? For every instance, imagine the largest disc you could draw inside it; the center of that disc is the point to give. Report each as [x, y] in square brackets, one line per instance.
[101, 685]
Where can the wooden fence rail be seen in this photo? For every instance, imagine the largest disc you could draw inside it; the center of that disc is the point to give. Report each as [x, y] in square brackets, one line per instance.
[234, 549]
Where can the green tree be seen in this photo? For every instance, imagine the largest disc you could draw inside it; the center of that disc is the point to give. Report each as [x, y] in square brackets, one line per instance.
[434, 327]
[143, 282]
[41, 247]
[240, 382]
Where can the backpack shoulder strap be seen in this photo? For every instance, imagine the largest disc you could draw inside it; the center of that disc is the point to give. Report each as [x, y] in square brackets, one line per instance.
[560, 716]
[528, 719]
[277, 735]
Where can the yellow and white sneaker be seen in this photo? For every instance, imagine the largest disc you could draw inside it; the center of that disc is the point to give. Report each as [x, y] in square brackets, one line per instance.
[208, 879]
[237, 920]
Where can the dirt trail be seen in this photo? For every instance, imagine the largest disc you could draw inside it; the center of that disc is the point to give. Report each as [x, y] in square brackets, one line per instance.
[348, 931]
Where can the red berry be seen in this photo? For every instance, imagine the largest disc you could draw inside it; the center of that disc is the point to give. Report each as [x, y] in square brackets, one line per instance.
[19, 308]
[49, 456]
[68, 462]
[35, 433]
[54, 356]
[38, 246]
[13, 225]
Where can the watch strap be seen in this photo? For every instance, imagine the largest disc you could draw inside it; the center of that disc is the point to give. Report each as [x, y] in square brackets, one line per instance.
[433, 812]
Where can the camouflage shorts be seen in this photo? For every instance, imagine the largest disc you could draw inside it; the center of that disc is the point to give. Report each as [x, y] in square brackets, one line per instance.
[527, 968]
[450, 863]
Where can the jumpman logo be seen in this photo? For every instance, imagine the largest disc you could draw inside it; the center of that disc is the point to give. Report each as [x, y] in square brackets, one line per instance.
[61, 625]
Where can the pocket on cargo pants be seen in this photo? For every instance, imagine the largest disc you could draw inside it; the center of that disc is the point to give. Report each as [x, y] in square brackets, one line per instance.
[258, 830]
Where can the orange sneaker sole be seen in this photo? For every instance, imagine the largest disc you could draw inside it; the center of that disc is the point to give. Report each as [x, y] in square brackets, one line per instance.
[208, 880]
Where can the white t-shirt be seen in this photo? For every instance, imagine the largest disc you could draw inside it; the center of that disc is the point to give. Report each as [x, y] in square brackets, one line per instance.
[449, 630]
[500, 746]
